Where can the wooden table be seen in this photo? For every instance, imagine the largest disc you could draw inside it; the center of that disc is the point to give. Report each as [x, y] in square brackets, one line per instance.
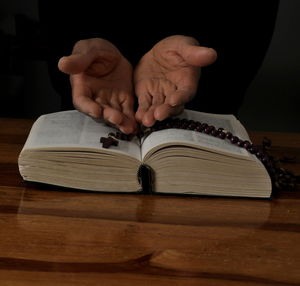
[50, 236]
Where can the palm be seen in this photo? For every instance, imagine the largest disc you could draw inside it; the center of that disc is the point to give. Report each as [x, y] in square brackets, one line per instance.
[101, 81]
[108, 85]
[166, 78]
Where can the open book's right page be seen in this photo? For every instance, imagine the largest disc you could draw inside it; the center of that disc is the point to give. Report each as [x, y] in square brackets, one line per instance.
[188, 137]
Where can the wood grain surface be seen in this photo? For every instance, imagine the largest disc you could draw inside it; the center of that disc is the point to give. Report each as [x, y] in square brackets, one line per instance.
[56, 236]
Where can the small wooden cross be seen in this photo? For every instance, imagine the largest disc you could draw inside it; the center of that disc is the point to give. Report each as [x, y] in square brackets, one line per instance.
[108, 141]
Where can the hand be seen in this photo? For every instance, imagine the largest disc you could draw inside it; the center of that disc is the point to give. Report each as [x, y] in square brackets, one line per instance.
[101, 80]
[167, 77]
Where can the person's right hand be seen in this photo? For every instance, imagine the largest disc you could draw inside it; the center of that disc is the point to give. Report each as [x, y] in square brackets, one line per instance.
[101, 79]
[167, 76]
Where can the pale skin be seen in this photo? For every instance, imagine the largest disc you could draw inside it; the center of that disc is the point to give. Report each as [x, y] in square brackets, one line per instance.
[104, 84]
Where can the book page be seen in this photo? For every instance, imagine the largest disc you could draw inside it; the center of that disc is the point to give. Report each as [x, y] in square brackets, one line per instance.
[72, 129]
[179, 136]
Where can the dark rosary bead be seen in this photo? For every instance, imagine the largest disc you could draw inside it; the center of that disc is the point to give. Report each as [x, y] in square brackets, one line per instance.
[222, 135]
[265, 159]
[253, 149]
[229, 135]
[266, 142]
[129, 137]
[272, 171]
[120, 136]
[209, 129]
[198, 128]
[204, 125]
[247, 144]
[182, 124]
[176, 123]
[240, 143]
[168, 125]
[162, 126]
[183, 121]
[157, 124]
[198, 123]
[234, 139]
[259, 154]
[191, 125]
[214, 133]
[269, 165]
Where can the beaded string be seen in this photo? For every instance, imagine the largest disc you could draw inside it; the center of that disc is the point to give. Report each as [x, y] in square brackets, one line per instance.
[281, 179]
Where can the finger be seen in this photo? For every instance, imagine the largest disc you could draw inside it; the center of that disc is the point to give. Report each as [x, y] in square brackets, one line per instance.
[115, 101]
[139, 115]
[112, 115]
[119, 119]
[82, 101]
[164, 111]
[198, 56]
[127, 106]
[144, 98]
[76, 63]
[148, 119]
[180, 97]
[158, 98]
[144, 103]
[128, 125]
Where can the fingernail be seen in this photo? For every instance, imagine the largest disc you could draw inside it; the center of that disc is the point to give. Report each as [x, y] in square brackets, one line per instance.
[212, 53]
[92, 115]
[123, 130]
[172, 103]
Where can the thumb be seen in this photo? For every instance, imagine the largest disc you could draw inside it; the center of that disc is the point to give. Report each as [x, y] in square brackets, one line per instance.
[198, 56]
[75, 63]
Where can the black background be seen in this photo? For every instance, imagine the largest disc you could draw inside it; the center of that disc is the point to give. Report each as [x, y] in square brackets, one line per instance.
[272, 101]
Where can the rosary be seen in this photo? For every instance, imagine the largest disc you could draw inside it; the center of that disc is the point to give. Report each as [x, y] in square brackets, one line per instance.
[282, 179]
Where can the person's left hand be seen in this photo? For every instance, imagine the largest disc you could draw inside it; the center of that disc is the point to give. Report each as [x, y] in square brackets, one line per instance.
[101, 80]
[167, 77]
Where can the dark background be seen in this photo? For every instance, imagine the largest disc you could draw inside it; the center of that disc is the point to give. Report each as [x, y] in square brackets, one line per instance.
[272, 101]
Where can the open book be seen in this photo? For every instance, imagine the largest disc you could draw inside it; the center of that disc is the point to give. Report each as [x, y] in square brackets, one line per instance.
[64, 149]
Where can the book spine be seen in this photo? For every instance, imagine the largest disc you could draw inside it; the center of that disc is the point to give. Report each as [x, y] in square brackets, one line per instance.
[145, 178]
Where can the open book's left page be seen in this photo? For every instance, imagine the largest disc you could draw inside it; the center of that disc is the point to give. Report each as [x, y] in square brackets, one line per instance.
[74, 130]
[64, 149]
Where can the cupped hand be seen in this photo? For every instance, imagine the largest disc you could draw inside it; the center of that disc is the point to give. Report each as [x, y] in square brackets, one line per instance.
[167, 77]
[101, 79]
